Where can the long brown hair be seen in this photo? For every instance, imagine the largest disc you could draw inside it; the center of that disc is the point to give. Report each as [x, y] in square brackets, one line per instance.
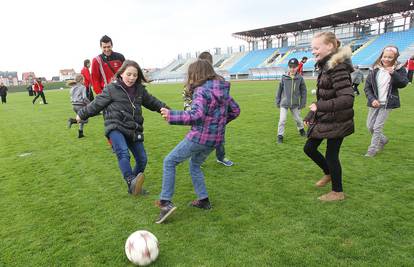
[198, 73]
[130, 63]
[390, 48]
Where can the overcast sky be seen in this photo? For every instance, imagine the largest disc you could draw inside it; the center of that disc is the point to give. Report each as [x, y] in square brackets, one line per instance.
[46, 36]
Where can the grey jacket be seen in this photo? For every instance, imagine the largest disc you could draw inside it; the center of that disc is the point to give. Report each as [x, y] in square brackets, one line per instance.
[291, 92]
[120, 112]
[78, 95]
[357, 76]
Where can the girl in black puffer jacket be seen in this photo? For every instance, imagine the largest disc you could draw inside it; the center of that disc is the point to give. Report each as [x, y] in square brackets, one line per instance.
[121, 102]
[331, 117]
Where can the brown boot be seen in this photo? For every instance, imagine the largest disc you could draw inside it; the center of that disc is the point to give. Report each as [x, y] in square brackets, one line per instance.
[332, 196]
[323, 181]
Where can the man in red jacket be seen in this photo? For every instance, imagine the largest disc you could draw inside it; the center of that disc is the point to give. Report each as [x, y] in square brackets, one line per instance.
[300, 66]
[38, 88]
[105, 65]
[410, 68]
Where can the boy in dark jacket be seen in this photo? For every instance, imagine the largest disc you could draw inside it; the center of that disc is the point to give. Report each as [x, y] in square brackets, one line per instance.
[291, 95]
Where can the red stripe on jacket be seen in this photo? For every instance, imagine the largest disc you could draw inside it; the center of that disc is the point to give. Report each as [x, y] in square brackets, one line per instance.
[98, 82]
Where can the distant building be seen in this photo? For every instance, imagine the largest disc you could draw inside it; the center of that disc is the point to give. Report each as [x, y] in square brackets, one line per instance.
[67, 74]
[28, 77]
[55, 78]
[9, 78]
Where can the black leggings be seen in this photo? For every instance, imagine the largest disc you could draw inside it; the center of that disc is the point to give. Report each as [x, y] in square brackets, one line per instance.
[329, 164]
[41, 94]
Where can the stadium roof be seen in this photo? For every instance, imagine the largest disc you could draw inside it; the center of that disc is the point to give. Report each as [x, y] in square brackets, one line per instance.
[352, 15]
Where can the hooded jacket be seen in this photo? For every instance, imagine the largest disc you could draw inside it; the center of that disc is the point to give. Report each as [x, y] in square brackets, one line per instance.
[334, 117]
[120, 112]
[292, 92]
[78, 95]
[398, 80]
[211, 109]
[357, 76]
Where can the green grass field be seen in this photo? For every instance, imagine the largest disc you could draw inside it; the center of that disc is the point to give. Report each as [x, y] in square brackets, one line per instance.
[66, 204]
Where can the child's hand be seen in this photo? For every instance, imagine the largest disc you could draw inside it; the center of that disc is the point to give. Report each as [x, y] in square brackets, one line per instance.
[375, 103]
[78, 119]
[165, 113]
[313, 107]
[306, 123]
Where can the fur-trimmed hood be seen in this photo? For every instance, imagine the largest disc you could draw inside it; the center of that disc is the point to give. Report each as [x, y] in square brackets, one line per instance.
[343, 55]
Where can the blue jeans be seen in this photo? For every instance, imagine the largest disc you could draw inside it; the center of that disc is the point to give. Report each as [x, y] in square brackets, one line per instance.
[220, 152]
[185, 150]
[120, 146]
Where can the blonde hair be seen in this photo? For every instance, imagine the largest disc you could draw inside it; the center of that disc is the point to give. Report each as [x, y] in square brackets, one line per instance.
[329, 38]
[391, 48]
[78, 79]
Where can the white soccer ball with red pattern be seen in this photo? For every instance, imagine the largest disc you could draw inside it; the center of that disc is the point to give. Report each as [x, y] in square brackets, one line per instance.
[141, 248]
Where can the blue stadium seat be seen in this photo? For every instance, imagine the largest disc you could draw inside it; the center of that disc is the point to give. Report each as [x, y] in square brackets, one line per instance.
[252, 60]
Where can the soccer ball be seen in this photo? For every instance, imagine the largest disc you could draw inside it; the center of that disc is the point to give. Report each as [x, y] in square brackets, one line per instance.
[313, 91]
[141, 248]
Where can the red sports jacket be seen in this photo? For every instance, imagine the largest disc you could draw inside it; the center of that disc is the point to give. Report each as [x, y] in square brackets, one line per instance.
[38, 87]
[86, 77]
[300, 68]
[410, 64]
[102, 73]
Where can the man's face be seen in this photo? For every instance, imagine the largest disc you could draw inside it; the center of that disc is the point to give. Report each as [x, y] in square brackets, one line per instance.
[106, 48]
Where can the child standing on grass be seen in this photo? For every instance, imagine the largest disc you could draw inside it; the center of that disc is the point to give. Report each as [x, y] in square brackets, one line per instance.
[357, 77]
[291, 95]
[79, 99]
[331, 117]
[121, 102]
[381, 89]
[212, 108]
[188, 98]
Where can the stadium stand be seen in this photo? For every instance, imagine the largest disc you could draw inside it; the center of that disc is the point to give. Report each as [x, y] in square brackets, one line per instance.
[374, 27]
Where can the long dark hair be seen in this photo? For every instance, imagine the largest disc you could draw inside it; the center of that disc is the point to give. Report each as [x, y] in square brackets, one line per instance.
[199, 72]
[130, 63]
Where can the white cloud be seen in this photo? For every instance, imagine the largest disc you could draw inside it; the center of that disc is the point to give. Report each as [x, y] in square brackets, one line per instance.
[45, 36]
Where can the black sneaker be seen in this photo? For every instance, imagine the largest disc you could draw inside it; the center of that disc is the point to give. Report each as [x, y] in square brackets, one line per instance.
[201, 204]
[280, 139]
[302, 132]
[80, 135]
[167, 209]
[135, 185]
[71, 121]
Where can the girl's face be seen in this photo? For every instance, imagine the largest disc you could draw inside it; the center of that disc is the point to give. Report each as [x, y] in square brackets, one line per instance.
[388, 58]
[320, 49]
[130, 76]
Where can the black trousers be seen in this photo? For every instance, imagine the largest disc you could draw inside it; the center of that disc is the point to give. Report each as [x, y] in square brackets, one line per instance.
[3, 99]
[410, 76]
[37, 96]
[355, 87]
[329, 164]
